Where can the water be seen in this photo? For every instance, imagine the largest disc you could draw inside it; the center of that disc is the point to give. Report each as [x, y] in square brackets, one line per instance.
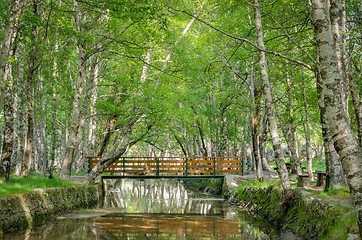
[153, 209]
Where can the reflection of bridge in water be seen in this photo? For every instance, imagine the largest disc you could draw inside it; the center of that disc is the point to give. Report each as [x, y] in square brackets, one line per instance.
[171, 167]
[163, 209]
[152, 209]
[178, 225]
[157, 196]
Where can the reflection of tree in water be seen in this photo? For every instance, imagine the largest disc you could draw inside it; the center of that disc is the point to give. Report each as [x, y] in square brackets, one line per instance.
[157, 196]
[141, 226]
[149, 210]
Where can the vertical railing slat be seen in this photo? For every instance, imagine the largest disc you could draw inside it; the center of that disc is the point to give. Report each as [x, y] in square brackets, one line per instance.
[242, 166]
[124, 166]
[186, 167]
[214, 166]
[158, 167]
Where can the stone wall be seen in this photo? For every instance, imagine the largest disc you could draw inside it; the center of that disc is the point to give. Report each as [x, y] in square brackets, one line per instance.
[20, 210]
[300, 212]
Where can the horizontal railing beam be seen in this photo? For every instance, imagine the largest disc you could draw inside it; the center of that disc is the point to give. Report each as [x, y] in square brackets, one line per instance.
[160, 166]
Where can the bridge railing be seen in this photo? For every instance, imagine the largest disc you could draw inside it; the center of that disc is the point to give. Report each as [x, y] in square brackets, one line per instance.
[183, 166]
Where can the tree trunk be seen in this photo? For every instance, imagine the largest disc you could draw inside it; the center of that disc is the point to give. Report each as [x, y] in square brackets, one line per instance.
[9, 33]
[50, 166]
[250, 157]
[335, 177]
[21, 122]
[93, 120]
[254, 120]
[263, 141]
[307, 135]
[76, 129]
[145, 65]
[7, 150]
[337, 18]
[30, 96]
[107, 137]
[343, 137]
[357, 107]
[202, 138]
[282, 169]
[8, 49]
[293, 150]
[104, 162]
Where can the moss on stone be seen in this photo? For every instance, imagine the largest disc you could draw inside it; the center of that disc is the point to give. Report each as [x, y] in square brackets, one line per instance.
[306, 216]
[17, 211]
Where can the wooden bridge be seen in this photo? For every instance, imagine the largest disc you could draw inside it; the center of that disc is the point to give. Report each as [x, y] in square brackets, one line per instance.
[171, 167]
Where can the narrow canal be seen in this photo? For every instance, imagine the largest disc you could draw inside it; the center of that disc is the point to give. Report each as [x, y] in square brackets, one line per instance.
[153, 209]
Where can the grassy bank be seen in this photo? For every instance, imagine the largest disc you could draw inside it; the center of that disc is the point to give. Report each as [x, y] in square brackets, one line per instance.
[18, 184]
[337, 225]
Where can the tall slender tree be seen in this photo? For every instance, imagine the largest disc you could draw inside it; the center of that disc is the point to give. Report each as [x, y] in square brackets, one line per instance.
[343, 137]
[282, 169]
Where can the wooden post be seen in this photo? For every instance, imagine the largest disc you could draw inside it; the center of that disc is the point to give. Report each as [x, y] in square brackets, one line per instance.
[242, 166]
[158, 167]
[89, 163]
[237, 173]
[214, 166]
[186, 167]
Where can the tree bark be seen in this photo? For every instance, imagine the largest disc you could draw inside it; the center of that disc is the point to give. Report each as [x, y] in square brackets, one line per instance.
[50, 166]
[30, 96]
[92, 125]
[8, 49]
[7, 148]
[282, 169]
[117, 151]
[21, 120]
[293, 150]
[10, 31]
[75, 126]
[357, 107]
[203, 147]
[107, 137]
[337, 19]
[254, 121]
[307, 135]
[263, 141]
[343, 137]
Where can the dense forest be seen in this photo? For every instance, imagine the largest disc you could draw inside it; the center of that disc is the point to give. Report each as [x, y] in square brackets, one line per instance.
[271, 80]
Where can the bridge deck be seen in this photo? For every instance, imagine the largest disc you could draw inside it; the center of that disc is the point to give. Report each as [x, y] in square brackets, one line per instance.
[171, 167]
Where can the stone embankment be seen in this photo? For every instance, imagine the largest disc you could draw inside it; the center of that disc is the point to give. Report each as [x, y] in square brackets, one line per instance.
[298, 211]
[21, 210]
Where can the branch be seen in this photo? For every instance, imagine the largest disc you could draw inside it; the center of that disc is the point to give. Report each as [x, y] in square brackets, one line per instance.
[236, 73]
[246, 40]
[124, 55]
[290, 38]
[100, 49]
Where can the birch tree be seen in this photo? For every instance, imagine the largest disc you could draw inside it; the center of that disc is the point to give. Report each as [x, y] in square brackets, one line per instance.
[282, 169]
[7, 49]
[343, 137]
[30, 78]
